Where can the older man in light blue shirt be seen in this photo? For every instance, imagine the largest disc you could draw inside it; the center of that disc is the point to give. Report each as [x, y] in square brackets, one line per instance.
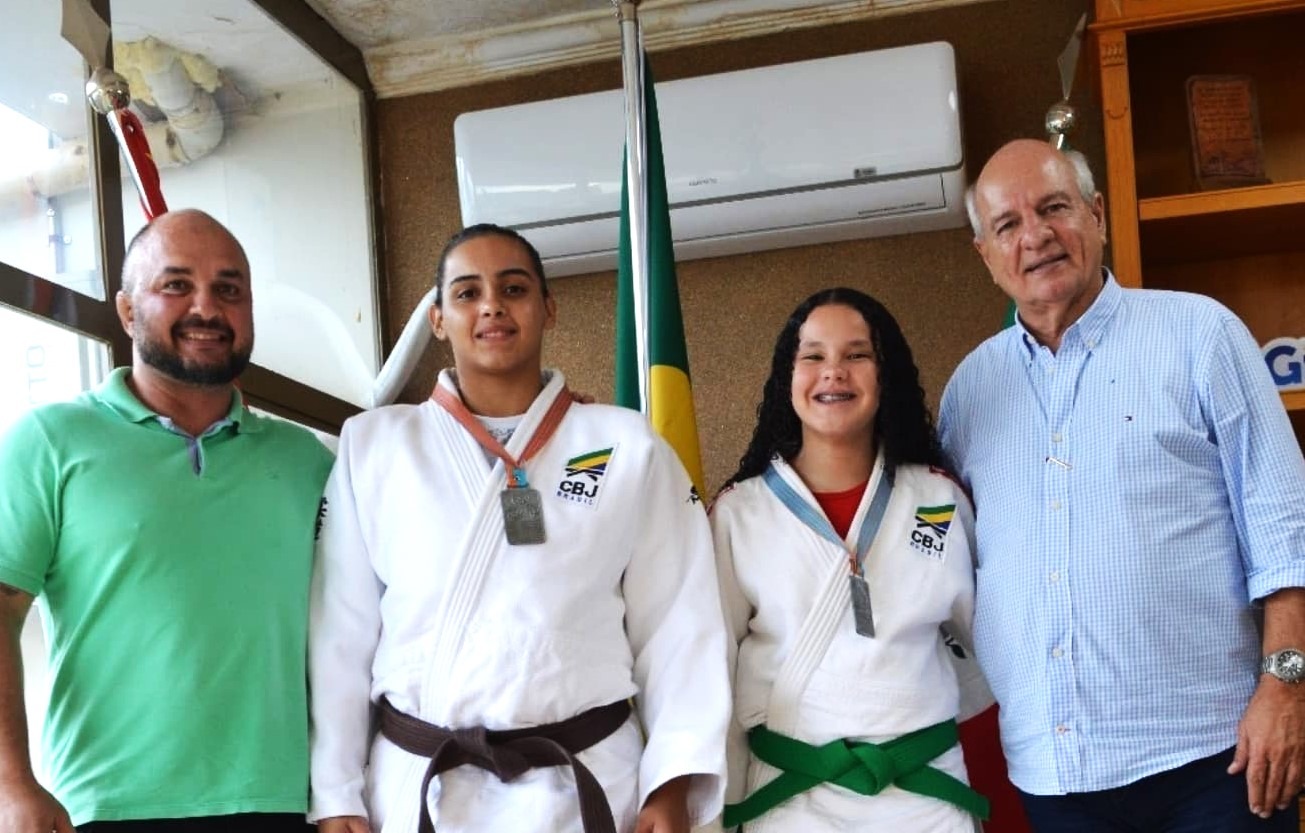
[1140, 501]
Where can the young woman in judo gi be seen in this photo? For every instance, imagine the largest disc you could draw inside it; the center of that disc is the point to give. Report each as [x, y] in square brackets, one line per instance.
[844, 559]
[499, 571]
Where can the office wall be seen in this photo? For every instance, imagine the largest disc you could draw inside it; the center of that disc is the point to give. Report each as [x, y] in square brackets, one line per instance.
[734, 306]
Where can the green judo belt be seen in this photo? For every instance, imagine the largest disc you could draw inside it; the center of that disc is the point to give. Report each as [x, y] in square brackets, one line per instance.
[865, 768]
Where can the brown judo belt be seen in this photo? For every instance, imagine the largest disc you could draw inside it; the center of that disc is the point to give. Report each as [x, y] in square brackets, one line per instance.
[509, 753]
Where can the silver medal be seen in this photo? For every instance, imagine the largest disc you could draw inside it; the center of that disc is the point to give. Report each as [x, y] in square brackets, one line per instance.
[523, 515]
[862, 615]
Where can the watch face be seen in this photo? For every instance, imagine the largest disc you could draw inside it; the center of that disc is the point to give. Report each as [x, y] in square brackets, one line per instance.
[1291, 664]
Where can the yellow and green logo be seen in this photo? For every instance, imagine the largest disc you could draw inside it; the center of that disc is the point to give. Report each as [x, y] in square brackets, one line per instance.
[937, 518]
[592, 464]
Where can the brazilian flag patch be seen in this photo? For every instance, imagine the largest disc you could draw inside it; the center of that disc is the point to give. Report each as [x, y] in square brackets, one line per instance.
[582, 478]
[592, 465]
[931, 524]
[937, 518]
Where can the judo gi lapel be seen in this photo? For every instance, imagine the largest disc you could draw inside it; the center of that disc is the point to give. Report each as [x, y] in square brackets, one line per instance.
[830, 607]
[483, 537]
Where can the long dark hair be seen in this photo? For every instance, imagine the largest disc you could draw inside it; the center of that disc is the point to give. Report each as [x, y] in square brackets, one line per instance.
[903, 426]
[487, 230]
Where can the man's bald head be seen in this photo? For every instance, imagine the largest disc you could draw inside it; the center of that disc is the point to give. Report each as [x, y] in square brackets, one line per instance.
[1022, 152]
[143, 250]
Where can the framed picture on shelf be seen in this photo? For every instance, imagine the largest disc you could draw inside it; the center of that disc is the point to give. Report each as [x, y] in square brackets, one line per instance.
[1227, 148]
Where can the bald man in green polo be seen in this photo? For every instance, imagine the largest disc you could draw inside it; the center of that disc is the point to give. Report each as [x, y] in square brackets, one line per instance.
[168, 531]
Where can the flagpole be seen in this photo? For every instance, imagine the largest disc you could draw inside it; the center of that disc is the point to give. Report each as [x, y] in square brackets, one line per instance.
[636, 177]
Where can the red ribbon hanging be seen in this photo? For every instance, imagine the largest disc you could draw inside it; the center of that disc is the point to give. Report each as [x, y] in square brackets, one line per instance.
[136, 148]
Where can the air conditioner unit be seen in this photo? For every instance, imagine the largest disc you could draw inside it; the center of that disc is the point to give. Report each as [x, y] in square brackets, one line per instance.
[862, 145]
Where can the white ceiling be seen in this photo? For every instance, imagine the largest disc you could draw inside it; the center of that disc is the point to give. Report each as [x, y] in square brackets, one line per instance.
[373, 23]
[411, 46]
[42, 77]
[414, 46]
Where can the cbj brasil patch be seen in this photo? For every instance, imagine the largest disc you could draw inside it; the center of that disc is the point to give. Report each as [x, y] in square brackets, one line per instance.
[931, 524]
[583, 476]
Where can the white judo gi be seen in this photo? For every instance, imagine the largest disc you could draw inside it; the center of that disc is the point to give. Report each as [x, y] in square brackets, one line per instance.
[802, 670]
[418, 598]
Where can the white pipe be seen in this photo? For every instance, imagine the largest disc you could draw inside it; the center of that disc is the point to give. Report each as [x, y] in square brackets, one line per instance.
[58, 171]
[194, 127]
[192, 114]
[62, 169]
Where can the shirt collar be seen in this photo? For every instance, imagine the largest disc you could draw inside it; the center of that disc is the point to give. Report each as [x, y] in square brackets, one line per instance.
[1090, 328]
[115, 394]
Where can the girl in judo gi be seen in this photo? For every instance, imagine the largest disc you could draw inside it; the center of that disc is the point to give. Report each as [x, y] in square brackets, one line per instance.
[501, 572]
[844, 556]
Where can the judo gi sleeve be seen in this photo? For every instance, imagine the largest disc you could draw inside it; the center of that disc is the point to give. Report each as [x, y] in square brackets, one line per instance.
[975, 697]
[677, 634]
[345, 626]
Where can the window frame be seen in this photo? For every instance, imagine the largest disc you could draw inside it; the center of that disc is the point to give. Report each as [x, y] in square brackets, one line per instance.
[98, 319]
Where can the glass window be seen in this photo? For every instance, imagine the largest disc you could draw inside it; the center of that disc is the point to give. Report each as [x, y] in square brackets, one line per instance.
[258, 131]
[47, 217]
[39, 364]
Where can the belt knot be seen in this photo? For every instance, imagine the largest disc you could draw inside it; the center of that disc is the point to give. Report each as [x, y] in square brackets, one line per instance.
[499, 758]
[875, 762]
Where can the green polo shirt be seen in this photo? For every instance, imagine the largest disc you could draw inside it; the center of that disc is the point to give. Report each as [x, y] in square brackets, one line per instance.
[173, 574]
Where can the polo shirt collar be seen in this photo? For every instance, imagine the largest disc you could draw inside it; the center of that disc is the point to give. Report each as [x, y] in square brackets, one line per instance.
[117, 396]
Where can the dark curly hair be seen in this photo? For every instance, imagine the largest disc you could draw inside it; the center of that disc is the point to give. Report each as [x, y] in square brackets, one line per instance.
[903, 425]
[486, 230]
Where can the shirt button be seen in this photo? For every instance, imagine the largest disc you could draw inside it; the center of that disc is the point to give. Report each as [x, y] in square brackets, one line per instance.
[1057, 653]
[1055, 576]
[1062, 729]
[1056, 437]
[1055, 506]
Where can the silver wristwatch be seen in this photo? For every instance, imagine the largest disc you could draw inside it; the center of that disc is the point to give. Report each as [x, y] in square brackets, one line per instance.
[1287, 665]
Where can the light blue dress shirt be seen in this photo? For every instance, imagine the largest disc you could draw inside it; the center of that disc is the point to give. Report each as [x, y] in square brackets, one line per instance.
[1134, 493]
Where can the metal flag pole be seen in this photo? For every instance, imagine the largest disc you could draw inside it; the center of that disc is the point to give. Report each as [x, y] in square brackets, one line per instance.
[636, 177]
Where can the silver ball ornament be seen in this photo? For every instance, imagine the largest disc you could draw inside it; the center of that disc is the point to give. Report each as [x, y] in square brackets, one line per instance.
[1060, 122]
[108, 91]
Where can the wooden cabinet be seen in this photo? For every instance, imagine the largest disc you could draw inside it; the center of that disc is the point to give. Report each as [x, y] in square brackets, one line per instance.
[1244, 246]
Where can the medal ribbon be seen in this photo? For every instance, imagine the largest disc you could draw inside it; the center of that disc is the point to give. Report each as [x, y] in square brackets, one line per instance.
[814, 519]
[516, 472]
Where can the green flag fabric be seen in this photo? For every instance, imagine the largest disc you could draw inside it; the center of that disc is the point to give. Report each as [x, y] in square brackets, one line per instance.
[671, 397]
[1008, 320]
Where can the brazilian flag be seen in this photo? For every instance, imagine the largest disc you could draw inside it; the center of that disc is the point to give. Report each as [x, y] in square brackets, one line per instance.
[671, 398]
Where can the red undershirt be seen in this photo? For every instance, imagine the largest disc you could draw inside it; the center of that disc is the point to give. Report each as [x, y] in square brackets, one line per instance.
[840, 507]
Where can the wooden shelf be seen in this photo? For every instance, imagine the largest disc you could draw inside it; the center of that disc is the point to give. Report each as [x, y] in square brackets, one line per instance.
[1214, 225]
[1224, 201]
[1245, 247]
[1144, 14]
[1267, 48]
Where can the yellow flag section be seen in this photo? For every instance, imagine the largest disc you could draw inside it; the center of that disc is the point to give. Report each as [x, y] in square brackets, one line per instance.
[670, 407]
[672, 416]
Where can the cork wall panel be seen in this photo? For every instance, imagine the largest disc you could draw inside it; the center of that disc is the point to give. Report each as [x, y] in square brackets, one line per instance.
[934, 282]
